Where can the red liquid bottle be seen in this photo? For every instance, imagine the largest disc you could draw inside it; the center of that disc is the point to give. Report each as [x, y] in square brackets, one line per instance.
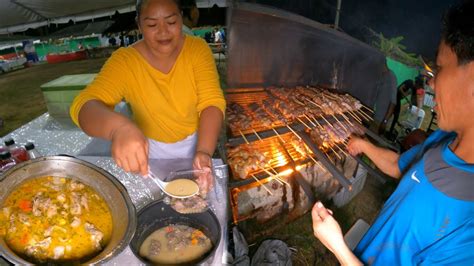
[16, 151]
[6, 161]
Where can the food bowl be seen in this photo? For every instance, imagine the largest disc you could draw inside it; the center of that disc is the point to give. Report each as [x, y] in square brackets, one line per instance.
[158, 214]
[107, 186]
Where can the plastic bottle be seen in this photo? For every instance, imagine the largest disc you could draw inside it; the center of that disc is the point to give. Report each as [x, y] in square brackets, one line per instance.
[6, 161]
[32, 152]
[16, 151]
[3, 148]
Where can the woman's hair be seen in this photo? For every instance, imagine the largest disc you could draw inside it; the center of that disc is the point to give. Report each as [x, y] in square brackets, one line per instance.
[458, 31]
[186, 6]
[140, 3]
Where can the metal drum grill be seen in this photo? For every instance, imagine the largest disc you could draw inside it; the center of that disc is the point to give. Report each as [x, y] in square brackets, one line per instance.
[300, 89]
[268, 142]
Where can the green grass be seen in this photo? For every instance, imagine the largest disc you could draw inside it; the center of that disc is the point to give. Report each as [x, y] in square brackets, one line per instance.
[20, 94]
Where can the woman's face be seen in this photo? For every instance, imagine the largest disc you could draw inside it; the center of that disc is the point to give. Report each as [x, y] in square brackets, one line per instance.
[161, 24]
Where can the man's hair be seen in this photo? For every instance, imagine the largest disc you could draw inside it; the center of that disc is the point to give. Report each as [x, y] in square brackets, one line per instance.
[458, 31]
[140, 3]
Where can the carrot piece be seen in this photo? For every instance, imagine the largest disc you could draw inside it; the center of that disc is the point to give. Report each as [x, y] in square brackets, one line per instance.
[24, 238]
[25, 205]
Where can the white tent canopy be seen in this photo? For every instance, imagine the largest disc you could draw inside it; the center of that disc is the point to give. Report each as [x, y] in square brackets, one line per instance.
[20, 15]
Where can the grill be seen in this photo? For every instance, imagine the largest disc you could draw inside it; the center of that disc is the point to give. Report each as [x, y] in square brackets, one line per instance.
[292, 107]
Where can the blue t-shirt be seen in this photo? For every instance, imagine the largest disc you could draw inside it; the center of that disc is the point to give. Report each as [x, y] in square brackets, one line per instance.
[429, 219]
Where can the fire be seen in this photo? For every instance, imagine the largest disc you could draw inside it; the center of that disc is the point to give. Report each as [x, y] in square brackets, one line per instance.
[286, 172]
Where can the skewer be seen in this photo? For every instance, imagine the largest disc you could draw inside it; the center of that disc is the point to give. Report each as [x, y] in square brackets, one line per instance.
[293, 132]
[360, 110]
[320, 126]
[256, 134]
[354, 116]
[302, 122]
[342, 125]
[243, 136]
[370, 110]
[316, 162]
[310, 120]
[261, 184]
[341, 150]
[364, 115]
[272, 175]
[277, 174]
[327, 122]
[347, 119]
[278, 135]
[335, 152]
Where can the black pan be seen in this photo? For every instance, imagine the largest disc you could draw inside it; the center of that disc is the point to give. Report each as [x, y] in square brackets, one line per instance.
[159, 214]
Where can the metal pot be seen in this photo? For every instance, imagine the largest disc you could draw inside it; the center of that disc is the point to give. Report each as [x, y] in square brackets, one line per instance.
[114, 193]
[159, 214]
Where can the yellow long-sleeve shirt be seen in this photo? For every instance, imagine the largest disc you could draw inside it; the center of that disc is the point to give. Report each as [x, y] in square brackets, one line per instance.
[165, 106]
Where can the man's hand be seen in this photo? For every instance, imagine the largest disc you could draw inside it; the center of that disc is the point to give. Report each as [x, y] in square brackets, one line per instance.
[326, 228]
[357, 145]
[130, 149]
[203, 161]
[328, 231]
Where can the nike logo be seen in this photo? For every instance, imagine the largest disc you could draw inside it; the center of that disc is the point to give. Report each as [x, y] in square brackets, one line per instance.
[413, 176]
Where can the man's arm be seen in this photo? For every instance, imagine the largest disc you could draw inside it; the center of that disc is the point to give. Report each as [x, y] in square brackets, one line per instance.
[384, 159]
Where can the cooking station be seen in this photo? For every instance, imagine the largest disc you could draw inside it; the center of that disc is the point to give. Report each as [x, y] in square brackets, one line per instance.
[53, 138]
[298, 90]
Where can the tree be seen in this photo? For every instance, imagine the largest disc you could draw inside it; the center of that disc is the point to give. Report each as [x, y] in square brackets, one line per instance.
[393, 48]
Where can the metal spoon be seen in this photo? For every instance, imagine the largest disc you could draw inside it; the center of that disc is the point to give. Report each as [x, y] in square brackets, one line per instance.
[163, 185]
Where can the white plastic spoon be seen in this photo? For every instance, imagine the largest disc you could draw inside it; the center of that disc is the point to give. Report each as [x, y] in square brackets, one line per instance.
[178, 188]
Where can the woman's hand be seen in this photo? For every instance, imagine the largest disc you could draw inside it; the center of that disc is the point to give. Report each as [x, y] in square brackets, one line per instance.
[356, 145]
[203, 161]
[130, 149]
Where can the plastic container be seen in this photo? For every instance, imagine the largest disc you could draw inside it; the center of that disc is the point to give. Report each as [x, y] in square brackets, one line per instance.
[6, 161]
[195, 175]
[198, 203]
[32, 152]
[16, 151]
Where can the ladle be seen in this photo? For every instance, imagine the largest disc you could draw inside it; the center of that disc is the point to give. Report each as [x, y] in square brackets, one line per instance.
[164, 185]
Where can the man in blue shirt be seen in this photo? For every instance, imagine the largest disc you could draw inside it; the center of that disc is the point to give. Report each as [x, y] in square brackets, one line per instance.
[429, 219]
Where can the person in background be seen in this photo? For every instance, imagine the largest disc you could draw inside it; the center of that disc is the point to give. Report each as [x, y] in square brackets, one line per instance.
[170, 81]
[190, 15]
[429, 217]
[217, 35]
[112, 40]
[418, 96]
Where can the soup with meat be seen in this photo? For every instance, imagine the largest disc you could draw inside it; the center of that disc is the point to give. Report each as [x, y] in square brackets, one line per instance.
[55, 219]
[175, 244]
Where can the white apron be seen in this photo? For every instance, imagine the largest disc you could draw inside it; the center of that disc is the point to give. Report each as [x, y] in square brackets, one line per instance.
[177, 150]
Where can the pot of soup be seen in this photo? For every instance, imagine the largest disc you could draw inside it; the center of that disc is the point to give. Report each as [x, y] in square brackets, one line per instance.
[166, 237]
[60, 209]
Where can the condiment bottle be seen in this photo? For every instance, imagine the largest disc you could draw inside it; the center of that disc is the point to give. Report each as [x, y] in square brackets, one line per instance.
[16, 151]
[6, 161]
[32, 152]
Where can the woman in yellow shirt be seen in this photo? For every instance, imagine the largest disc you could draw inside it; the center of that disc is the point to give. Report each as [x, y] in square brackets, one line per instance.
[171, 82]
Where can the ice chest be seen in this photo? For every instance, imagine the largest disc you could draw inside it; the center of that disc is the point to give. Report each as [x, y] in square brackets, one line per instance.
[59, 94]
